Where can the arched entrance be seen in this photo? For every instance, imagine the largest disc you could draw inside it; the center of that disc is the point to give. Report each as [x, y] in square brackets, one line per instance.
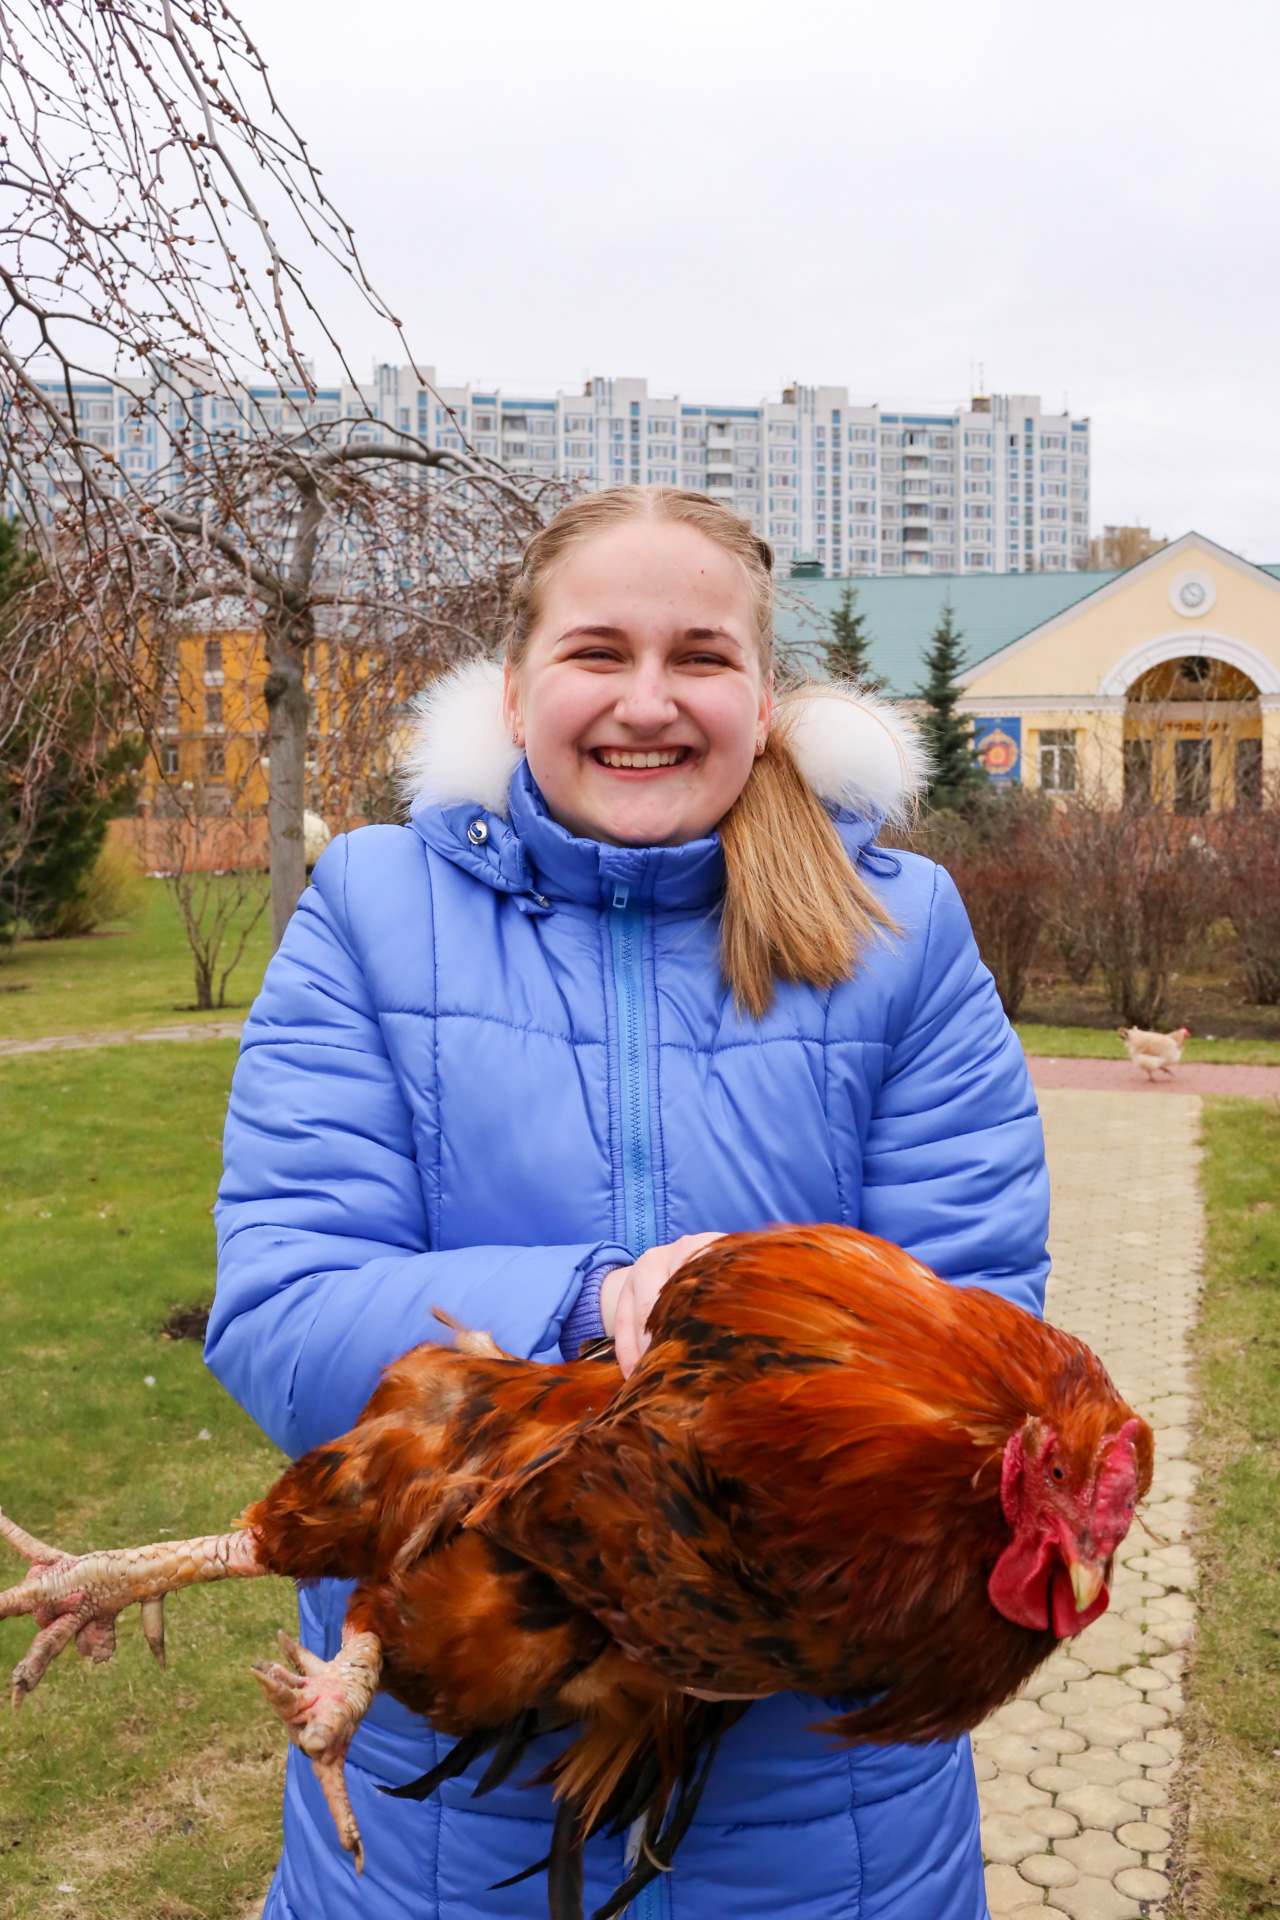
[1193, 736]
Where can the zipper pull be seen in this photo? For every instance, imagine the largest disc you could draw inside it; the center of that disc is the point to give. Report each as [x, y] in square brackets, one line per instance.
[621, 895]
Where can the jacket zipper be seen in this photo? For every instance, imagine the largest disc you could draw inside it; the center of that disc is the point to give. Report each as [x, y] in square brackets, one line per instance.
[626, 933]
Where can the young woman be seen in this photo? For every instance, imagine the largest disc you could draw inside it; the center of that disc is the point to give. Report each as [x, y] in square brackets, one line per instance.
[634, 974]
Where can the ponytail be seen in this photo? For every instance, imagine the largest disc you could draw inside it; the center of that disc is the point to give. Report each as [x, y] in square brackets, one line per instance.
[794, 906]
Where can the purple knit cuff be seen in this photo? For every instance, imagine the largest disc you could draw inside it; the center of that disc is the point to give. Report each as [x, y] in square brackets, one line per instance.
[583, 1321]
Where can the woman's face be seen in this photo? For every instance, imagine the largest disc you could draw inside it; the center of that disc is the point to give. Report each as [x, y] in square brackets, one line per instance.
[640, 702]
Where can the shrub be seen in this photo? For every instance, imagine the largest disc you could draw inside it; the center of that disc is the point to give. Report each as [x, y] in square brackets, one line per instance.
[1248, 849]
[1136, 887]
[55, 808]
[112, 889]
[1001, 854]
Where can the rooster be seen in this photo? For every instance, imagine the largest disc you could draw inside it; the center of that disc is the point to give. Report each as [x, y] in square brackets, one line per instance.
[1154, 1052]
[831, 1473]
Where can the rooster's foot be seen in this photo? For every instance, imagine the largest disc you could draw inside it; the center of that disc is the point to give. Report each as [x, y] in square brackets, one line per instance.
[321, 1703]
[77, 1597]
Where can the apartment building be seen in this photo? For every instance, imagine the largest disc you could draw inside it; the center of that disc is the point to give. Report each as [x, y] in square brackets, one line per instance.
[840, 490]
[996, 487]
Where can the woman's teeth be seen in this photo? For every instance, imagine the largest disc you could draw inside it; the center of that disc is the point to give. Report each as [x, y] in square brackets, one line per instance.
[611, 758]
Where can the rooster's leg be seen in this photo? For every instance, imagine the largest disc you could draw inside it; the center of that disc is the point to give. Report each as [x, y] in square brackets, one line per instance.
[77, 1596]
[321, 1703]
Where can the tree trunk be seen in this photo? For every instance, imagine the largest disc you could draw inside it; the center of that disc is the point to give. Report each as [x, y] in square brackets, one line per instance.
[204, 985]
[286, 696]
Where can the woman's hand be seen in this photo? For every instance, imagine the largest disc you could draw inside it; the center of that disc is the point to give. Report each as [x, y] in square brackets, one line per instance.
[627, 1294]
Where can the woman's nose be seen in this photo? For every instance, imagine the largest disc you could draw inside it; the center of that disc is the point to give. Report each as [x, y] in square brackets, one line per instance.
[646, 702]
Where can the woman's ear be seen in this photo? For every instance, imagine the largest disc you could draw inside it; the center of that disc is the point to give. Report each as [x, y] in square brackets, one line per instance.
[511, 714]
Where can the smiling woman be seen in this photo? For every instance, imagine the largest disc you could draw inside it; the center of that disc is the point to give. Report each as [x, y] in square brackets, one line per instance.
[634, 975]
[639, 685]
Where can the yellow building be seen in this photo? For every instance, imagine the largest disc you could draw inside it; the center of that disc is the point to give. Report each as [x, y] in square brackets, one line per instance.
[212, 736]
[1163, 681]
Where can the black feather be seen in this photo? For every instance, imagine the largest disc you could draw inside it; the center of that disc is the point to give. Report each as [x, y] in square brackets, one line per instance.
[456, 1761]
[564, 1865]
[510, 1750]
[526, 1873]
[658, 1850]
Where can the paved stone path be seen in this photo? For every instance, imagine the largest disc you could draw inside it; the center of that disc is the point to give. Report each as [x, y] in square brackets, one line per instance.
[1074, 1775]
[1121, 1076]
[72, 1042]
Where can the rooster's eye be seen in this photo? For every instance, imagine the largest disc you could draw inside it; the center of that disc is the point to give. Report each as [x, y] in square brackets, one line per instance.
[1058, 1474]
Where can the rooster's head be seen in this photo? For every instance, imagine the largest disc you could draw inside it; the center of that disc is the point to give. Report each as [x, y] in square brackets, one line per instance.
[1069, 1505]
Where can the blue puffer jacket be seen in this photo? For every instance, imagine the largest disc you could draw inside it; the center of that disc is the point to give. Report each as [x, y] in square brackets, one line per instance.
[490, 1058]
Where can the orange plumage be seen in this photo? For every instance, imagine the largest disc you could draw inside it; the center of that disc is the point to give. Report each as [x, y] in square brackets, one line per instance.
[831, 1472]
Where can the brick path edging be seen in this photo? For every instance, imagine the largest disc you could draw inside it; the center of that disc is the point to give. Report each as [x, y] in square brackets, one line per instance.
[1121, 1076]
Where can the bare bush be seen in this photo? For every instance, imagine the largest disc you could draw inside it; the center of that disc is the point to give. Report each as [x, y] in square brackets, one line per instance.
[1248, 849]
[209, 848]
[1001, 854]
[1137, 887]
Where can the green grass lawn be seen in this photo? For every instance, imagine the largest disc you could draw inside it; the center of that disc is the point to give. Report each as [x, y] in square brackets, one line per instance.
[133, 977]
[1230, 1786]
[127, 1793]
[1104, 1043]
[131, 1794]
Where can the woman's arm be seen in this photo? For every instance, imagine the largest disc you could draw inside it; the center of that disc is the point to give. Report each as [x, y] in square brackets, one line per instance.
[324, 1267]
[953, 1167]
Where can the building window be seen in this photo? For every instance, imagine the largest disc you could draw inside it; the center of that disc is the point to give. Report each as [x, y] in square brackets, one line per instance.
[213, 656]
[1248, 775]
[169, 757]
[1137, 772]
[215, 757]
[213, 707]
[1192, 774]
[1058, 760]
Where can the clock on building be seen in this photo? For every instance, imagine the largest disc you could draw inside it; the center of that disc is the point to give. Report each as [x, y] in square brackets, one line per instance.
[1191, 594]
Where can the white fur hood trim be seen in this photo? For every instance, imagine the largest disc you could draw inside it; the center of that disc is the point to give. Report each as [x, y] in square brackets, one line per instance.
[855, 750]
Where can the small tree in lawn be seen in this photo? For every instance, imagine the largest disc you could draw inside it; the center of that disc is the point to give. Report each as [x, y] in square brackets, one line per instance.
[206, 841]
[956, 778]
[848, 651]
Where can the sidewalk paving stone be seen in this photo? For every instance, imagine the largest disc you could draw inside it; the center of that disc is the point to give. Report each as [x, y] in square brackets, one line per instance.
[1074, 1776]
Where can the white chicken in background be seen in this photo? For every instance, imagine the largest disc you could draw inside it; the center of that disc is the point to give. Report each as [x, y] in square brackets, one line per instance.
[1154, 1052]
[315, 837]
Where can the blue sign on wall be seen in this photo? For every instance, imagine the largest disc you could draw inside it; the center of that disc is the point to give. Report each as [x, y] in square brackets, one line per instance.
[997, 745]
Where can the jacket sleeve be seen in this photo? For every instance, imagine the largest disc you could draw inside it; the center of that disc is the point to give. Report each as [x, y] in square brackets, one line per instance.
[325, 1272]
[954, 1167]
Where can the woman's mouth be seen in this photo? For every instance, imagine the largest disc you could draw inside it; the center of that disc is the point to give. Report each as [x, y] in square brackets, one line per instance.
[623, 758]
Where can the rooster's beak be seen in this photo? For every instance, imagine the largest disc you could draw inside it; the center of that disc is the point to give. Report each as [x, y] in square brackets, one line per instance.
[1087, 1577]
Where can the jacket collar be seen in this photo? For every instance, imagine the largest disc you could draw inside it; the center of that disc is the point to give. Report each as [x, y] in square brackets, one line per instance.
[529, 854]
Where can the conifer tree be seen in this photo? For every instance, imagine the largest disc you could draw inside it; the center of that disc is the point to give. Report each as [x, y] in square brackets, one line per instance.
[848, 651]
[956, 779]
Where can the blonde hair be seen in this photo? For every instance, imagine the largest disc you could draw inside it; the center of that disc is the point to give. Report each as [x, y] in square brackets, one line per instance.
[794, 907]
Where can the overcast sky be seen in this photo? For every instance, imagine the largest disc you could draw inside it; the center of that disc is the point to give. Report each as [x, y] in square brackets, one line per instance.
[725, 195]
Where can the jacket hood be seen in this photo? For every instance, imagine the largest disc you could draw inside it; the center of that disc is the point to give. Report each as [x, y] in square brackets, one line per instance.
[861, 755]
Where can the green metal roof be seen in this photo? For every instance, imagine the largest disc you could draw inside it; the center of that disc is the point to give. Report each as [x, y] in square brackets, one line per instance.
[990, 612]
